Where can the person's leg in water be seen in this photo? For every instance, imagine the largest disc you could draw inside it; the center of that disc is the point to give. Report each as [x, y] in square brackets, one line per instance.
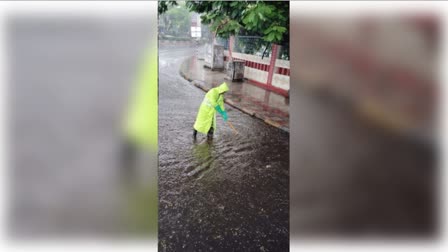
[195, 133]
[210, 132]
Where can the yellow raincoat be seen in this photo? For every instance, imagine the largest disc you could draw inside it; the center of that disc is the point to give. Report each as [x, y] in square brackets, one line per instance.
[207, 112]
[140, 128]
[141, 122]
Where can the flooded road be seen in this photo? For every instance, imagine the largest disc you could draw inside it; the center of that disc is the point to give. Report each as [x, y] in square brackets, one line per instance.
[231, 192]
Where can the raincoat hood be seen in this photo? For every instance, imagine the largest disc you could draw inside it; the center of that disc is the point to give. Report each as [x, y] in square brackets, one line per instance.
[222, 88]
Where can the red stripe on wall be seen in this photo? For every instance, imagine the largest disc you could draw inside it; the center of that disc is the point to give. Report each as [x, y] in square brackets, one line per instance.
[261, 66]
[270, 88]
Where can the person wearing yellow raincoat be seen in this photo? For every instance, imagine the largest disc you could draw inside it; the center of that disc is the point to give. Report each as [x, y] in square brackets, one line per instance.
[140, 125]
[206, 118]
[140, 122]
[140, 129]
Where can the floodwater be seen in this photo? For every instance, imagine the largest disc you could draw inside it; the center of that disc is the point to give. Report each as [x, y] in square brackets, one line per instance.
[225, 194]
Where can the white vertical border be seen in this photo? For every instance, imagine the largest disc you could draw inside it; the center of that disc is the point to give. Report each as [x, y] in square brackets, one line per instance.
[68, 8]
[342, 8]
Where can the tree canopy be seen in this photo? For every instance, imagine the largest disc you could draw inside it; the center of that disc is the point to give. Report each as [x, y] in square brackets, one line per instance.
[176, 20]
[268, 19]
[165, 5]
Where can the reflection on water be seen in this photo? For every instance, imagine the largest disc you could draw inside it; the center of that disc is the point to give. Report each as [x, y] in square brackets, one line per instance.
[203, 158]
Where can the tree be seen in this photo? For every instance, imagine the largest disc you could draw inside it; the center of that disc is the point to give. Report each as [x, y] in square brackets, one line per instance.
[165, 5]
[269, 19]
[176, 20]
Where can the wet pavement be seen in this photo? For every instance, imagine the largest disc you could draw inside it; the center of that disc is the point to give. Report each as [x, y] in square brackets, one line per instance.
[70, 79]
[268, 106]
[231, 193]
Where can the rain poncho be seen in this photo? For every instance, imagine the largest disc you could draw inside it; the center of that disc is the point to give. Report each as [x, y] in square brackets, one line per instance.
[141, 120]
[140, 129]
[207, 112]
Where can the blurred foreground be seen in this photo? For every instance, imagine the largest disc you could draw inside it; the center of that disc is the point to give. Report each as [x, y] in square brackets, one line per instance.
[363, 126]
[68, 94]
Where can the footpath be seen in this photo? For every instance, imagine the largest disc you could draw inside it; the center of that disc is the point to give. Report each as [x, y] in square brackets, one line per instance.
[265, 105]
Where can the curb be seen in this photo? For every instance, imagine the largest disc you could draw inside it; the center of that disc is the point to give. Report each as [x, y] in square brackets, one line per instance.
[270, 122]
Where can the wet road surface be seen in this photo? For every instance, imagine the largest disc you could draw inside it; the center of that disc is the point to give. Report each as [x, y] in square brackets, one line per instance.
[228, 194]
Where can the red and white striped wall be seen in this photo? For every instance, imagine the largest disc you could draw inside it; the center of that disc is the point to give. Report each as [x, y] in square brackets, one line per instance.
[271, 74]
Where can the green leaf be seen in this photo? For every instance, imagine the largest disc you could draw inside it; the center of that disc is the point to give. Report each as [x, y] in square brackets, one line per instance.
[268, 30]
[270, 37]
[279, 37]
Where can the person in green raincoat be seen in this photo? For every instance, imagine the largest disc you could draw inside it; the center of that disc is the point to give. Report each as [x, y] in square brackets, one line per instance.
[213, 102]
[140, 124]
[140, 129]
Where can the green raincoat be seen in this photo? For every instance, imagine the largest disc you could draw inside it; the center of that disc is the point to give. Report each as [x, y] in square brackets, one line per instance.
[207, 112]
[141, 121]
[140, 128]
